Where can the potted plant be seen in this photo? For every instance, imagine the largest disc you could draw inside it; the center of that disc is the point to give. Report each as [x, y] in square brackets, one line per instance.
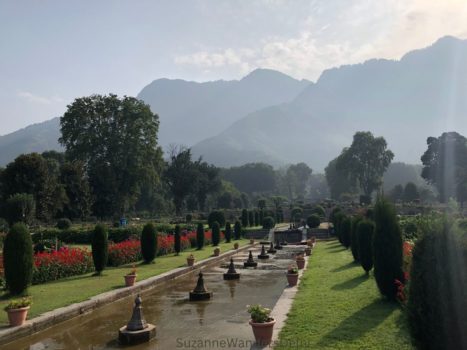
[308, 251]
[18, 311]
[300, 260]
[217, 251]
[190, 260]
[252, 241]
[262, 324]
[235, 245]
[130, 278]
[292, 275]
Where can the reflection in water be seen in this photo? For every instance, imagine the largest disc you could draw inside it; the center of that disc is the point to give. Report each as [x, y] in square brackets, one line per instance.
[177, 319]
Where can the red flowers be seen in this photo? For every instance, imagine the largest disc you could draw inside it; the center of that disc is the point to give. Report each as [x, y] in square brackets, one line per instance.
[124, 252]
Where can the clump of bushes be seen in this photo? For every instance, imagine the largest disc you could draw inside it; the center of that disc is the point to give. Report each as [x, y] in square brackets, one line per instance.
[100, 246]
[319, 210]
[268, 222]
[149, 243]
[387, 249]
[218, 216]
[313, 221]
[18, 258]
[63, 224]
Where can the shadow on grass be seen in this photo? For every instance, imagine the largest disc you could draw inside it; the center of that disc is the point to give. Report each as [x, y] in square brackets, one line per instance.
[344, 267]
[361, 322]
[350, 284]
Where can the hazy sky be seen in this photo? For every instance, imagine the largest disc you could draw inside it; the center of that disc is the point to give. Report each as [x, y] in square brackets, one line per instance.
[54, 51]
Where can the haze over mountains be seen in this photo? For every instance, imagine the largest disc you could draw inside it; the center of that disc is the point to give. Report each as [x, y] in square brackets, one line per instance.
[268, 116]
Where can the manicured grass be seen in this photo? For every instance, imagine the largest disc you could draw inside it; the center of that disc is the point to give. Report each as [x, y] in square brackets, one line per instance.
[67, 291]
[338, 307]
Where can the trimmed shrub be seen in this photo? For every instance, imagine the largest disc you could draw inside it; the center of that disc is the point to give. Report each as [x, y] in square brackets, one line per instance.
[313, 221]
[296, 214]
[387, 249]
[251, 218]
[268, 222]
[228, 232]
[261, 216]
[437, 305]
[188, 218]
[177, 240]
[218, 216]
[149, 243]
[353, 237]
[319, 210]
[346, 231]
[237, 230]
[63, 224]
[332, 216]
[256, 218]
[365, 230]
[100, 248]
[244, 218]
[18, 258]
[340, 216]
[216, 233]
[200, 236]
[20, 207]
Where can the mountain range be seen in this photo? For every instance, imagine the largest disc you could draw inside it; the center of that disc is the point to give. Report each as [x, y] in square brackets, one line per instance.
[270, 117]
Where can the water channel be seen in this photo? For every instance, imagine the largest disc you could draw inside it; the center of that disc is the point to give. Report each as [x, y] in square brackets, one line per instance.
[181, 324]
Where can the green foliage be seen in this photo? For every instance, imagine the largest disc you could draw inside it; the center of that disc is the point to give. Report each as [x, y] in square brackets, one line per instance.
[251, 177]
[217, 216]
[63, 224]
[149, 243]
[251, 218]
[297, 177]
[332, 216]
[365, 232]
[200, 236]
[268, 222]
[100, 247]
[20, 207]
[437, 305]
[177, 240]
[295, 214]
[411, 192]
[120, 148]
[397, 193]
[313, 221]
[339, 218]
[259, 314]
[18, 258]
[256, 218]
[319, 210]
[18, 303]
[4, 225]
[237, 230]
[387, 249]
[228, 232]
[74, 179]
[353, 237]
[244, 218]
[261, 204]
[216, 233]
[365, 160]
[345, 229]
[339, 182]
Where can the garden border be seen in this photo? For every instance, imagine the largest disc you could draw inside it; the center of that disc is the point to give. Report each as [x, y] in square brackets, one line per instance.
[53, 317]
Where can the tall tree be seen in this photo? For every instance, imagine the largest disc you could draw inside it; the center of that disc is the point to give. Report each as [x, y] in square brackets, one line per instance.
[74, 180]
[297, 177]
[251, 177]
[411, 192]
[116, 138]
[445, 165]
[338, 182]
[366, 160]
[207, 181]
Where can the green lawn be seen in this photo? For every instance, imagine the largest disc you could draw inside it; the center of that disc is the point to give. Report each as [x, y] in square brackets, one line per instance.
[64, 292]
[338, 307]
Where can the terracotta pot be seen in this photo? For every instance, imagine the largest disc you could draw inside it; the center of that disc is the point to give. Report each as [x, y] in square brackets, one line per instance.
[292, 278]
[17, 317]
[190, 261]
[217, 252]
[263, 332]
[308, 251]
[252, 241]
[300, 263]
[235, 245]
[130, 280]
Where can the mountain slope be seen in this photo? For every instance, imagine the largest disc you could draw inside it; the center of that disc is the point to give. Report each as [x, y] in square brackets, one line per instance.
[34, 138]
[190, 112]
[421, 95]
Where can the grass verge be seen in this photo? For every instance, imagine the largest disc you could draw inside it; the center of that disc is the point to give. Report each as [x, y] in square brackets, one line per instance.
[52, 295]
[338, 307]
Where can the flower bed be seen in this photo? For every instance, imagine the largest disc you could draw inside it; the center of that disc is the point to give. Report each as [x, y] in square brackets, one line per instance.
[51, 266]
[124, 253]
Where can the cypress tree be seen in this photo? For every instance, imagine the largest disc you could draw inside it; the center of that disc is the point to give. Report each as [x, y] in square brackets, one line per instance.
[346, 230]
[200, 236]
[100, 248]
[177, 243]
[228, 232]
[149, 243]
[244, 218]
[256, 218]
[261, 216]
[387, 249]
[237, 230]
[365, 231]
[251, 218]
[18, 258]
[353, 237]
[216, 233]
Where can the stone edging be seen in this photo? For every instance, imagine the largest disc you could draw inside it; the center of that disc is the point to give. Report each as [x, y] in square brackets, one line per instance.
[51, 318]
